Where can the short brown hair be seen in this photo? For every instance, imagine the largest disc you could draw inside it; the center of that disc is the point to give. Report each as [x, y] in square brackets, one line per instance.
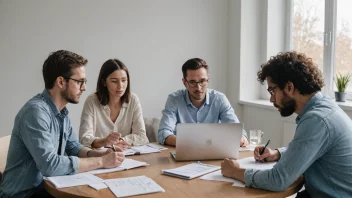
[60, 63]
[292, 67]
[107, 68]
[193, 64]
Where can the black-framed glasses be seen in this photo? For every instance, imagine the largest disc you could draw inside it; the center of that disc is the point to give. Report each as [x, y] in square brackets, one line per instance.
[80, 82]
[271, 90]
[194, 84]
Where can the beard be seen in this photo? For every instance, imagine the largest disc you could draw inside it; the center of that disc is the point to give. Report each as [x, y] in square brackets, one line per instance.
[288, 106]
[68, 97]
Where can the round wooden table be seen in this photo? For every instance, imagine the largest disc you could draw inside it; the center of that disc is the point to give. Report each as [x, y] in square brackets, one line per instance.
[174, 187]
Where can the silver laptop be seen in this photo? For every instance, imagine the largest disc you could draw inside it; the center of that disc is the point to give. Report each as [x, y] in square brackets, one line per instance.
[207, 141]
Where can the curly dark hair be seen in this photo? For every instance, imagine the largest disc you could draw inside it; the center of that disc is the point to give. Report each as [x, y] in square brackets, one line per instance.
[292, 67]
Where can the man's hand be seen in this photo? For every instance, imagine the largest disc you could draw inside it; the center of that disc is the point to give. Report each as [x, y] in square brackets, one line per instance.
[113, 159]
[230, 168]
[112, 138]
[268, 155]
[244, 141]
[171, 140]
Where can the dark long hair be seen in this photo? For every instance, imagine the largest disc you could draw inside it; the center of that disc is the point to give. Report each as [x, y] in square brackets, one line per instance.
[109, 67]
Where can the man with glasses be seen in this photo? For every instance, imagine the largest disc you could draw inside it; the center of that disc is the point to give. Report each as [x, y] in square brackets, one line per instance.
[321, 149]
[195, 104]
[42, 141]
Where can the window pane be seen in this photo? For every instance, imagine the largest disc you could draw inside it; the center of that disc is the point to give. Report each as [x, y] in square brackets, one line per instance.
[308, 29]
[344, 39]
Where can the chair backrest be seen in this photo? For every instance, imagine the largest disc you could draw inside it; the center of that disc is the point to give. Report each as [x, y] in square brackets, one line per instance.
[4, 148]
[152, 127]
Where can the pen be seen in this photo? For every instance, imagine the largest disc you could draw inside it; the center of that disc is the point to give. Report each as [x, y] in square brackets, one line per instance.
[113, 148]
[262, 151]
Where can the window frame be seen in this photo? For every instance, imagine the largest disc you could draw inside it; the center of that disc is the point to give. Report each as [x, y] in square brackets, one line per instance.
[329, 67]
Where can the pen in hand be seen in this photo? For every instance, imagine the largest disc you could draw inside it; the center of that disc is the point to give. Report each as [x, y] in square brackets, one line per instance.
[113, 148]
[262, 151]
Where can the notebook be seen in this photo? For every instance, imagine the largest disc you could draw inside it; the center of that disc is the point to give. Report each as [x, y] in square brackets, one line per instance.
[131, 186]
[191, 171]
[126, 164]
[207, 141]
[139, 150]
[74, 180]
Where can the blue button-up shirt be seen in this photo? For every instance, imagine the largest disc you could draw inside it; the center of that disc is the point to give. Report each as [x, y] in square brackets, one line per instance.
[33, 150]
[179, 109]
[321, 150]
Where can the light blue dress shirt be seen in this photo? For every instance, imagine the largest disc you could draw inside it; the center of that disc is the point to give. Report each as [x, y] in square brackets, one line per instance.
[179, 109]
[33, 150]
[321, 151]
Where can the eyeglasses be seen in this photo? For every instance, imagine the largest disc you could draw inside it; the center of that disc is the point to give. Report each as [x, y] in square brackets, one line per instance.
[194, 84]
[271, 90]
[80, 82]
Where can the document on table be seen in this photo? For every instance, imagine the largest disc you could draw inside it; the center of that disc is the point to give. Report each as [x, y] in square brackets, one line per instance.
[156, 146]
[98, 186]
[130, 186]
[191, 171]
[249, 147]
[250, 163]
[247, 163]
[126, 164]
[74, 180]
[138, 150]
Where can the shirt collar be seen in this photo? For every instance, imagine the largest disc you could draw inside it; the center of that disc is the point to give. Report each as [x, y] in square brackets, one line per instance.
[124, 105]
[48, 99]
[309, 104]
[188, 101]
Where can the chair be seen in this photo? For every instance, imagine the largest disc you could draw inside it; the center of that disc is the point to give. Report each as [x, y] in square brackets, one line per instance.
[4, 148]
[151, 127]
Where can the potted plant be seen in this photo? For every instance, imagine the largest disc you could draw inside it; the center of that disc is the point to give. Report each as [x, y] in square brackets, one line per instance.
[341, 84]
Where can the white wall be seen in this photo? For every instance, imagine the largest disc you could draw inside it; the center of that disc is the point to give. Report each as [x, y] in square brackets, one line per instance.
[153, 38]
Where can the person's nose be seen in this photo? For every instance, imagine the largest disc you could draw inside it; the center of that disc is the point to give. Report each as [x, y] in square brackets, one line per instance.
[84, 87]
[272, 98]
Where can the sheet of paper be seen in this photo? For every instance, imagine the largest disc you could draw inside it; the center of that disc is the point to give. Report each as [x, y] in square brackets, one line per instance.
[157, 146]
[145, 149]
[238, 184]
[191, 170]
[130, 186]
[98, 186]
[217, 176]
[250, 163]
[128, 152]
[126, 164]
[74, 180]
[249, 147]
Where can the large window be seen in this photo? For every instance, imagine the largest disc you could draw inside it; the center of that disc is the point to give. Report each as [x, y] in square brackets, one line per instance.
[323, 30]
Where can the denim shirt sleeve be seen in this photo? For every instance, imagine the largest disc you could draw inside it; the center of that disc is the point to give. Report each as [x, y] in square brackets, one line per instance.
[227, 114]
[311, 135]
[72, 144]
[37, 137]
[168, 121]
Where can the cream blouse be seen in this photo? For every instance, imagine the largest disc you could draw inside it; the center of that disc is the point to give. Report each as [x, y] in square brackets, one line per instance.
[96, 122]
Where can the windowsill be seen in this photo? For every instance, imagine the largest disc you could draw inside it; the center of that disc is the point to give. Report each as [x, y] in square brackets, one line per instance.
[266, 104]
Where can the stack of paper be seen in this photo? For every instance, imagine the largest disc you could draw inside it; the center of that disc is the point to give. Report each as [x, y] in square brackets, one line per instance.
[246, 163]
[126, 164]
[74, 180]
[191, 171]
[138, 150]
[130, 186]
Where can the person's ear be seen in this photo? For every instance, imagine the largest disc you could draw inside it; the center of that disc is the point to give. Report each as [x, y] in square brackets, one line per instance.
[60, 82]
[184, 82]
